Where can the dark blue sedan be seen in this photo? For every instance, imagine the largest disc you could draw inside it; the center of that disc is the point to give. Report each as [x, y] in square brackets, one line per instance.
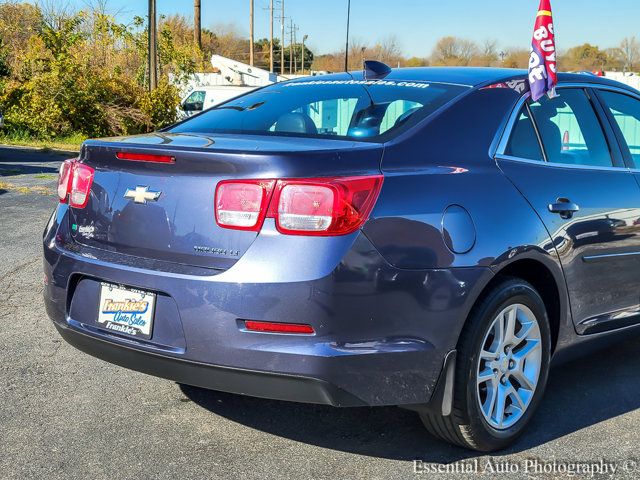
[427, 238]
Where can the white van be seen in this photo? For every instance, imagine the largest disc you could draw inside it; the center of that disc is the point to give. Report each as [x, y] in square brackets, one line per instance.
[205, 97]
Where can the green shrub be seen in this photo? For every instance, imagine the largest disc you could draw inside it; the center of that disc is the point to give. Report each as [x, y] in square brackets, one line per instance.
[82, 75]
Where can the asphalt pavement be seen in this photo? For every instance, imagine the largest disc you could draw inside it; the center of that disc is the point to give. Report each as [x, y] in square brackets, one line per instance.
[64, 414]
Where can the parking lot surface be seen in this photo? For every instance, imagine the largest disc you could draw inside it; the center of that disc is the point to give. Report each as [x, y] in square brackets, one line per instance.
[64, 414]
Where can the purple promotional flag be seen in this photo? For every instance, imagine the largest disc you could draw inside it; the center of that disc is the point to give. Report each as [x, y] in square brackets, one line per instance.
[543, 73]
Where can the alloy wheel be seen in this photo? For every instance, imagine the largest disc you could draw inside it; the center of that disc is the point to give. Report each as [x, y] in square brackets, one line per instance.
[509, 366]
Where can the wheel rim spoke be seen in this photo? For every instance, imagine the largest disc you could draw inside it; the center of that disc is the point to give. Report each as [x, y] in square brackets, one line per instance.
[519, 402]
[486, 376]
[500, 407]
[530, 347]
[488, 356]
[499, 332]
[524, 331]
[523, 380]
[490, 403]
[510, 326]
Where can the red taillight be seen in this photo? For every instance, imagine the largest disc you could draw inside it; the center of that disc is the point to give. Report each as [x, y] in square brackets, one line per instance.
[81, 181]
[242, 204]
[305, 208]
[324, 206]
[64, 179]
[145, 157]
[319, 206]
[272, 327]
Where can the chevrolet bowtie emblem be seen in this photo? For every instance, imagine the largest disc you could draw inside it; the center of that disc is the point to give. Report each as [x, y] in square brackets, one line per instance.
[142, 195]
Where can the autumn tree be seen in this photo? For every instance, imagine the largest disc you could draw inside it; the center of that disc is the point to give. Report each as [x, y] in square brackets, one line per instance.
[416, 62]
[453, 51]
[487, 54]
[629, 53]
[516, 58]
[584, 57]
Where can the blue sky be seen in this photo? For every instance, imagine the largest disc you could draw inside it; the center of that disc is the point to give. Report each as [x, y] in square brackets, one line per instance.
[417, 24]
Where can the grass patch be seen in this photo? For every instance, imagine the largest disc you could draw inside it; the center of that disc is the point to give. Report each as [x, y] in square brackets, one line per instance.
[45, 176]
[26, 189]
[71, 143]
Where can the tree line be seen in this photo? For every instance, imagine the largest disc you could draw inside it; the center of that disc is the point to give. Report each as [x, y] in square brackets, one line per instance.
[455, 51]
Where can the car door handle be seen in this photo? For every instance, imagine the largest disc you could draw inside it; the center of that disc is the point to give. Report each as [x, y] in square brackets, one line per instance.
[565, 207]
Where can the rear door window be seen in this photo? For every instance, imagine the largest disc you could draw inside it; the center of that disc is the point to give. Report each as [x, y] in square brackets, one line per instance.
[626, 113]
[524, 142]
[570, 130]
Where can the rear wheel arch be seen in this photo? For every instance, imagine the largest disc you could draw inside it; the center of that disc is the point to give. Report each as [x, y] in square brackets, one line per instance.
[542, 278]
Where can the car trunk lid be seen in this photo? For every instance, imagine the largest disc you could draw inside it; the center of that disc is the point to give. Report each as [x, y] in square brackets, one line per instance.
[165, 211]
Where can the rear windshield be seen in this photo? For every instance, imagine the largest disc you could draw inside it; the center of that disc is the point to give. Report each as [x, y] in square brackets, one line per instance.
[337, 109]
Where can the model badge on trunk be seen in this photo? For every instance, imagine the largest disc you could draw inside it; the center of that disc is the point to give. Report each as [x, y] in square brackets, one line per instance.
[142, 195]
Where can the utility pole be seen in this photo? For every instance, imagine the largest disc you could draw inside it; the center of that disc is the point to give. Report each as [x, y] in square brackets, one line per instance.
[346, 50]
[303, 40]
[271, 40]
[152, 54]
[282, 40]
[251, 32]
[197, 24]
[295, 42]
[291, 48]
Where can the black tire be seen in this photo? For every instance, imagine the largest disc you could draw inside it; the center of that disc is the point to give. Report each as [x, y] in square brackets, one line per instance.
[466, 426]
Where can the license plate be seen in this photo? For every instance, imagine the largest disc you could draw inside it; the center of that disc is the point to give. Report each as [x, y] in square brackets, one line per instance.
[126, 310]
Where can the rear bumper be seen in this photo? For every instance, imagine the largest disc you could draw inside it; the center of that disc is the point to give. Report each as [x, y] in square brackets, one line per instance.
[225, 379]
[382, 334]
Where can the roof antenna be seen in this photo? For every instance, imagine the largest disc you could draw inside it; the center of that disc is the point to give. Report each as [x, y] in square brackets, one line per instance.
[374, 70]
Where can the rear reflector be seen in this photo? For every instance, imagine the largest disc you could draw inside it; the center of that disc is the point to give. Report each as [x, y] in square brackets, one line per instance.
[81, 181]
[242, 204]
[145, 157]
[64, 179]
[271, 327]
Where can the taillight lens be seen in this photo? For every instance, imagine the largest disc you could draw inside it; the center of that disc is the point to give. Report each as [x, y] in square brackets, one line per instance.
[305, 208]
[325, 206]
[319, 206]
[82, 179]
[242, 204]
[64, 179]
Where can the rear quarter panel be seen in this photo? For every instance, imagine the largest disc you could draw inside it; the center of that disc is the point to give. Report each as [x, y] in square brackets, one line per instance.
[448, 162]
[445, 162]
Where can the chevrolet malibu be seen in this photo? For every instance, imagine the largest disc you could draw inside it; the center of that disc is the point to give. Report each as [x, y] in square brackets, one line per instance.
[426, 238]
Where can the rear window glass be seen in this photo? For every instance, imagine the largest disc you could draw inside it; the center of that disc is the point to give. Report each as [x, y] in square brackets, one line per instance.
[338, 109]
